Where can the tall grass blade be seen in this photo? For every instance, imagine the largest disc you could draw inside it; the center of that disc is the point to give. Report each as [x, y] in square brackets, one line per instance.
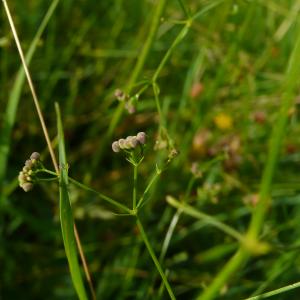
[15, 94]
[66, 216]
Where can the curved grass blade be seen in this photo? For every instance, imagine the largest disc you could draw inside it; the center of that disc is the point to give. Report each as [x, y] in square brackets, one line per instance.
[66, 216]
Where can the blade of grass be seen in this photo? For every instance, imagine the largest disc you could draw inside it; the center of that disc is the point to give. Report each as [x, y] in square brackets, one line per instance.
[275, 292]
[154, 258]
[140, 62]
[15, 94]
[66, 216]
[289, 86]
[44, 127]
[189, 210]
[30, 83]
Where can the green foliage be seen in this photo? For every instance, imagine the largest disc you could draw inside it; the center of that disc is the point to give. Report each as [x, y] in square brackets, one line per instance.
[66, 215]
[209, 207]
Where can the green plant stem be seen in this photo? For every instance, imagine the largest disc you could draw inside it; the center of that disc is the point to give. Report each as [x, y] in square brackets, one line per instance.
[174, 221]
[14, 97]
[31, 86]
[154, 258]
[184, 9]
[275, 292]
[177, 40]
[206, 9]
[291, 80]
[162, 121]
[206, 218]
[234, 263]
[140, 62]
[147, 46]
[151, 182]
[135, 174]
[100, 195]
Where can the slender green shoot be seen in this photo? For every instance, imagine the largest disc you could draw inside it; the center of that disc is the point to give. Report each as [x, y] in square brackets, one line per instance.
[15, 94]
[151, 182]
[289, 86]
[275, 292]
[100, 195]
[155, 260]
[134, 194]
[140, 62]
[187, 209]
[66, 215]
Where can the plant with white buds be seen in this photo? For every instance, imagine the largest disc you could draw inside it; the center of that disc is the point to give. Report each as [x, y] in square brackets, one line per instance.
[129, 143]
[141, 137]
[25, 177]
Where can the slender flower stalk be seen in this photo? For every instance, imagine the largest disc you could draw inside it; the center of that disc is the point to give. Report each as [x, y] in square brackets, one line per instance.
[154, 258]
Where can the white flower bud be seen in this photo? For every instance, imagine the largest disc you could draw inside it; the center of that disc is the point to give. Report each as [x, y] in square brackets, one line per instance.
[21, 177]
[27, 186]
[131, 142]
[141, 137]
[35, 156]
[28, 163]
[128, 142]
[115, 146]
[122, 143]
[25, 169]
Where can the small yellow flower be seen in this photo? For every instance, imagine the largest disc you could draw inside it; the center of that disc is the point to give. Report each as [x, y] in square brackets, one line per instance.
[223, 121]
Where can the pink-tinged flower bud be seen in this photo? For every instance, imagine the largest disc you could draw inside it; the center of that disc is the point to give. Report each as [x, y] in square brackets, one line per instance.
[25, 169]
[127, 143]
[122, 143]
[141, 137]
[115, 146]
[28, 163]
[132, 140]
[120, 95]
[35, 155]
[27, 186]
[21, 178]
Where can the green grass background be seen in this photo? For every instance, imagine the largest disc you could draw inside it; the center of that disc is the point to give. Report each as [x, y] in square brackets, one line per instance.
[239, 52]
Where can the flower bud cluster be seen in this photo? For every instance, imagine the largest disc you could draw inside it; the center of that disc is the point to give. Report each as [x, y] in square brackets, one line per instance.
[129, 143]
[25, 176]
[129, 101]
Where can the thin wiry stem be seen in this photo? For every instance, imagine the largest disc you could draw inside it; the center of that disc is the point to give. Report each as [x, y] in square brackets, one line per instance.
[135, 170]
[155, 260]
[31, 86]
[275, 292]
[45, 131]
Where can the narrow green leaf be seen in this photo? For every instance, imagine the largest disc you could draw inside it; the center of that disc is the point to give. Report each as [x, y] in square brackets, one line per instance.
[66, 216]
[189, 210]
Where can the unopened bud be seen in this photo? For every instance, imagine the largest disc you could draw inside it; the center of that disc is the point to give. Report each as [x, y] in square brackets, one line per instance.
[141, 137]
[27, 186]
[35, 155]
[120, 95]
[122, 143]
[28, 163]
[131, 142]
[115, 146]
[25, 169]
[21, 177]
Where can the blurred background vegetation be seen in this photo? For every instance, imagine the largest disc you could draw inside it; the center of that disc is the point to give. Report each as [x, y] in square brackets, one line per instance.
[219, 93]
